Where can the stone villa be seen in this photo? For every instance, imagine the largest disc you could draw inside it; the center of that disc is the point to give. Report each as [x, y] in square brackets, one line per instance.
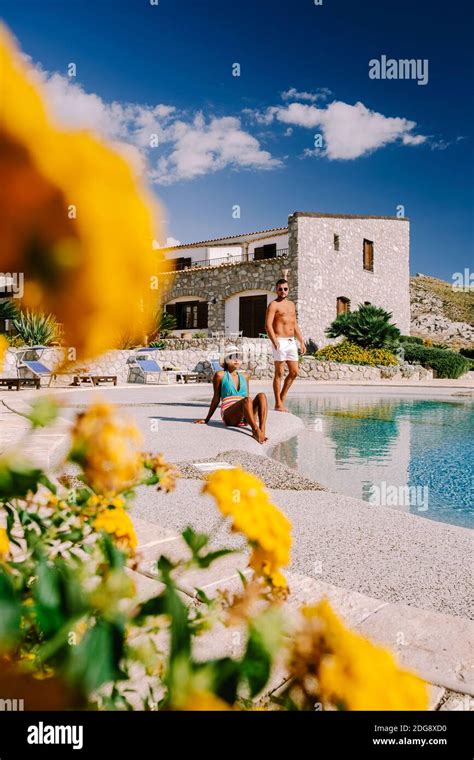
[333, 262]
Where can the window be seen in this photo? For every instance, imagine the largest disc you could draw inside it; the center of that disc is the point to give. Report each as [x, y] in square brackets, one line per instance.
[368, 255]
[265, 252]
[190, 315]
[343, 305]
[183, 262]
[336, 242]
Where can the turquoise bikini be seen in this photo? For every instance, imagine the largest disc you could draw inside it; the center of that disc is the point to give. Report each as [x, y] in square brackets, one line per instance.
[229, 393]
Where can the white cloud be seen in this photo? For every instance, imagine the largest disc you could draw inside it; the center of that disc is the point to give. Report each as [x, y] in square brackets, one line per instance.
[175, 145]
[349, 131]
[171, 242]
[293, 94]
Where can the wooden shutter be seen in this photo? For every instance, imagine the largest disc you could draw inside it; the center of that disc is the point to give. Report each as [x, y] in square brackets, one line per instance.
[202, 317]
[170, 308]
[269, 251]
[368, 255]
[252, 310]
[343, 305]
[259, 253]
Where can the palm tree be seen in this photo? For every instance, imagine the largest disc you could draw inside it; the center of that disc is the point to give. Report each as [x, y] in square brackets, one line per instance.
[369, 326]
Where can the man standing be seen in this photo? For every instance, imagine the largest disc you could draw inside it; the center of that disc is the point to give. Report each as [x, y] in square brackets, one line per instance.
[281, 327]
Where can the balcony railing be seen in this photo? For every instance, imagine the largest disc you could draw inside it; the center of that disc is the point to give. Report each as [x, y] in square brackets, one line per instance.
[239, 258]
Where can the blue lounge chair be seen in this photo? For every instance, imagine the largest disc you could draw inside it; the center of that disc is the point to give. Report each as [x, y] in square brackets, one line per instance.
[145, 369]
[216, 366]
[28, 364]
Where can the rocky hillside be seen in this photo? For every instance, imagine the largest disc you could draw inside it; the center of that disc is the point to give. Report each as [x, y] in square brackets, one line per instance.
[440, 313]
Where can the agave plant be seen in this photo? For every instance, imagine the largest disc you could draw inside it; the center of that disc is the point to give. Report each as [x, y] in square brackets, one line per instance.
[8, 309]
[369, 326]
[37, 329]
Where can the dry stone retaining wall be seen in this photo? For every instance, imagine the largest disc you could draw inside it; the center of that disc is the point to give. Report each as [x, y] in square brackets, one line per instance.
[196, 356]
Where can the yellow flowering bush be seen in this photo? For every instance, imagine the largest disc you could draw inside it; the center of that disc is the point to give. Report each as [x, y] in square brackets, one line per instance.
[243, 497]
[107, 448]
[117, 522]
[74, 221]
[3, 349]
[350, 353]
[4, 543]
[340, 669]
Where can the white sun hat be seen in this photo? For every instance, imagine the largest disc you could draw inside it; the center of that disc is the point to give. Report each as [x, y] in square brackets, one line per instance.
[228, 352]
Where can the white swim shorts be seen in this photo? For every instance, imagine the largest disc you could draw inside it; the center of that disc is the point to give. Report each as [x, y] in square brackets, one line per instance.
[287, 350]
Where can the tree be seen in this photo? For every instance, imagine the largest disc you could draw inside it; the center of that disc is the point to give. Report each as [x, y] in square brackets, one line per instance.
[369, 326]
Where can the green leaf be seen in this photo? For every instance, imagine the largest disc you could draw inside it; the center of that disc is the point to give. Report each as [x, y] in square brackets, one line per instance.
[43, 412]
[154, 606]
[257, 663]
[114, 556]
[10, 525]
[10, 612]
[96, 659]
[195, 541]
[201, 597]
[17, 477]
[227, 676]
[47, 596]
[209, 558]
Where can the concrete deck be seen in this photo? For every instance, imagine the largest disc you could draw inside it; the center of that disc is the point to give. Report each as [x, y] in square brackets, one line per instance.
[394, 576]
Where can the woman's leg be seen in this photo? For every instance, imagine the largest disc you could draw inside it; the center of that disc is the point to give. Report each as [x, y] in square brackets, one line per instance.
[260, 408]
[233, 415]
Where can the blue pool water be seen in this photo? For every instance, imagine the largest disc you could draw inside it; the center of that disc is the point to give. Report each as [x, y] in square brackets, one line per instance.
[403, 452]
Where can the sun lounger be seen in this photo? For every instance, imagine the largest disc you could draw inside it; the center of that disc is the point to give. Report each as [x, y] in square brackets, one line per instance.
[20, 382]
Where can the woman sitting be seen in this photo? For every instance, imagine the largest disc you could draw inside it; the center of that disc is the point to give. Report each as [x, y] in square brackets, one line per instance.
[231, 388]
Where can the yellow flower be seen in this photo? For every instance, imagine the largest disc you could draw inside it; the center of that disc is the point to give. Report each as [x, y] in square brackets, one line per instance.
[346, 671]
[74, 220]
[118, 523]
[3, 350]
[4, 543]
[243, 497]
[165, 472]
[106, 447]
[204, 700]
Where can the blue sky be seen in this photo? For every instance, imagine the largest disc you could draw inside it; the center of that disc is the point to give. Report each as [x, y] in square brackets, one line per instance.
[166, 70]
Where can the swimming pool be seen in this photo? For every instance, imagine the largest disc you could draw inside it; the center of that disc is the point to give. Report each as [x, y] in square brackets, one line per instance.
[403, 452]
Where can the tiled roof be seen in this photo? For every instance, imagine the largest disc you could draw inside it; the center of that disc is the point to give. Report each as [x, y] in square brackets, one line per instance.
[238, 238]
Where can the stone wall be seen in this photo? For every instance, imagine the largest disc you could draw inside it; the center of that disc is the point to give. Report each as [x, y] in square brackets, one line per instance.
[324, 274]
[257, 358]
[218, 283]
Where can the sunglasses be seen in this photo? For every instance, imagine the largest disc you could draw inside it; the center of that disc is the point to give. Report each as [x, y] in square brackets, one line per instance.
[234, 357]
[284, 290]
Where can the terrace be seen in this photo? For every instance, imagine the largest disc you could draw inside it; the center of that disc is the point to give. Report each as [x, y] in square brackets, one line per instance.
[237, 258]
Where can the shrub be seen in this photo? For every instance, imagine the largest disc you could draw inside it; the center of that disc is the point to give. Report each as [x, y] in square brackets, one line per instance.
[446, 364]
[311, 347]
[37, 329]
[467, 352]
[410, 339]
[166, 324]
[350, 353]
[8, 309]
[369, 326]
[199, 335]
[15, 341]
